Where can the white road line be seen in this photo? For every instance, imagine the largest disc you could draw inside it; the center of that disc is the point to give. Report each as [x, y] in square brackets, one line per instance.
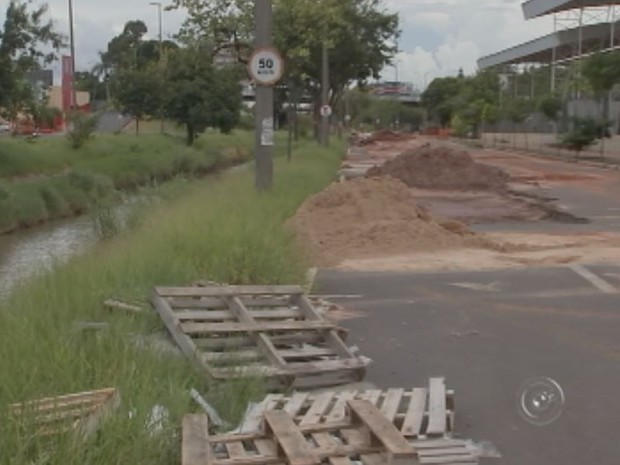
[593, 279]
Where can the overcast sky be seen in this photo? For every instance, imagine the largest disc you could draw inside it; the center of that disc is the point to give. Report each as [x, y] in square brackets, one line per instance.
[439, 36]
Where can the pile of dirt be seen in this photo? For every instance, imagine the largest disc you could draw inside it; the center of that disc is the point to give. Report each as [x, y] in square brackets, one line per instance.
[370, 217]
[442, 167]
[384, 135]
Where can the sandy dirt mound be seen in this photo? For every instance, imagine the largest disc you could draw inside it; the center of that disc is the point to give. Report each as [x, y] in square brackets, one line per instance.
[443, 168]
[372, 217]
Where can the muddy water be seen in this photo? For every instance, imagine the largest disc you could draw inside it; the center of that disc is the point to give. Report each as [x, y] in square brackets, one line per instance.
[26, 253]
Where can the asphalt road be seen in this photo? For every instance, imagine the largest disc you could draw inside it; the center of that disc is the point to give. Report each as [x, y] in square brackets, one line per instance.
[489, 333]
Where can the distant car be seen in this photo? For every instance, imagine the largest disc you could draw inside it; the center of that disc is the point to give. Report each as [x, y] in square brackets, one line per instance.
[4, 127]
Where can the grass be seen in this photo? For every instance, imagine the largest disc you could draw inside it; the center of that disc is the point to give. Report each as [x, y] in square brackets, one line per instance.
[221, 231]
[44, 179]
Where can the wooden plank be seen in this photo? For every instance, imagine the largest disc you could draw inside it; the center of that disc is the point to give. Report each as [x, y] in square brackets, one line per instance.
[226, 315]
[391, 402]
[412, 424]
[195, 448]
[236, 450]
[318, 409]
[338, 411]
[262, 341]
[290, 440]
[437, 407]
[331, 336]
[379, 430]
[224, 342]
[207, 328]
[372, 396]
[174, 328]
[227, 291]
[232, 357]
[326, 441]
[325, 366]
[295, 403]
[306, 352]
[66, 401]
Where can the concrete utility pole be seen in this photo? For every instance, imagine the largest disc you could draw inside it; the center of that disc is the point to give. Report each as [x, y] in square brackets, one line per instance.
[263, 15]
[161, 50]
[325, 91]
[72, 46]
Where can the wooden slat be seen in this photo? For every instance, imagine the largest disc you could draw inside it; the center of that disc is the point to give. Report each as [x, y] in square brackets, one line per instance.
[227, 291]
[437, 407]
[371, 395]
[295, 403]
[206, 328]
[262, 341]
[290, 440]
[236, 450]
[331, 336]
[325, 366]
[227, 315]
[391, 402]
[195, 447]
[412, 424]
[380, 430]
[174, 328]
[325, 441]
[338, 411]
[204, 303]
[306, 352]
[318, 409]
[231, 357]
[71, 400]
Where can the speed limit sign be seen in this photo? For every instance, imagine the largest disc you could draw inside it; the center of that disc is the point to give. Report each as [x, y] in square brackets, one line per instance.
[266, 66]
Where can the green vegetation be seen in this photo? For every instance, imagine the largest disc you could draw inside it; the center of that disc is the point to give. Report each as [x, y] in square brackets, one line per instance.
[42, 179]
[221, 231]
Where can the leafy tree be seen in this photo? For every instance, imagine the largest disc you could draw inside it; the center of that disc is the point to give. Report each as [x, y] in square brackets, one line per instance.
[88, 81]
[25, 41]
[602, 71]
[138, 92]
[122, 50]
[550, 106]
[200, 95]
[476, 94]
[438, 99]
[584, 133]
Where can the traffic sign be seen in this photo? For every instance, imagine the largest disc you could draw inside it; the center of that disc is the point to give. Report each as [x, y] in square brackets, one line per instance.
[326, 111]
[266, 66]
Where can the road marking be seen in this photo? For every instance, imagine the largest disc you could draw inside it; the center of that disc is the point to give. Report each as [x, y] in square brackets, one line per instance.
[491, 287]
[593, 279]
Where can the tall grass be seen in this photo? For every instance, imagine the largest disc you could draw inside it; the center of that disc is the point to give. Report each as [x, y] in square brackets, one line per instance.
[222, 231]
[45, 179]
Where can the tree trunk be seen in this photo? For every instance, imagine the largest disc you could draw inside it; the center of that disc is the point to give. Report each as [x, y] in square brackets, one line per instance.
[137, 126]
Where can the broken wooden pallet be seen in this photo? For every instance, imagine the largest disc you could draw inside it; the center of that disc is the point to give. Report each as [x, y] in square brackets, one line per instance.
[269, 331]
[365, 435]
[416, 413]
[80, 413]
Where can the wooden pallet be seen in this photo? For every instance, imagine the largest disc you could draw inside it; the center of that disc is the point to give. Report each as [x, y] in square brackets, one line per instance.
[268, 331]
[80, 413]
[427, 412]
[365, 435]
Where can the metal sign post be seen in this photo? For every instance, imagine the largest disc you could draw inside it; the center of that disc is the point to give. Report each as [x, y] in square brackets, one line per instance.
[266, 68]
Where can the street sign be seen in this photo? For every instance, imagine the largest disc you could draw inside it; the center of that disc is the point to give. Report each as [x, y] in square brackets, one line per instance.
[266, 66]
[326, 111]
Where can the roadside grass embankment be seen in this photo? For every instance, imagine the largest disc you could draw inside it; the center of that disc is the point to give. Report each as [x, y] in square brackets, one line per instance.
[44, 179]
[220, 230]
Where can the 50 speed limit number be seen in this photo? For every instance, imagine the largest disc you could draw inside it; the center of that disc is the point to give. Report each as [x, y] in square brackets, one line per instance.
[266, 66]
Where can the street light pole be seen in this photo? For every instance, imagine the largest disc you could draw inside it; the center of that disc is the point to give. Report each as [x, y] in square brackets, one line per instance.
[72, 46]
[325, 91]
[161, 51]
[263, 16]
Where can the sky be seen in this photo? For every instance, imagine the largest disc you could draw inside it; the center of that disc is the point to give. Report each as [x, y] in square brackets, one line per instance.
[438, 36]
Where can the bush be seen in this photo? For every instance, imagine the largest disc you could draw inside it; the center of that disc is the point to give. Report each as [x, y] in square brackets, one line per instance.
[584, 133]
[83, 128]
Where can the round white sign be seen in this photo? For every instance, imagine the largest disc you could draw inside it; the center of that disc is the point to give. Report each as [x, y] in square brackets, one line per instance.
[266, 66]
[326, 111]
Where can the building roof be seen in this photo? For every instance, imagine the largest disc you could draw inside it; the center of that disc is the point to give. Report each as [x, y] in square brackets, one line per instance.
[535, 8]
[541, 50]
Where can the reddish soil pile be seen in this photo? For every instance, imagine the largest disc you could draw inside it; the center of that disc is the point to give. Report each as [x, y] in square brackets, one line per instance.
[385, 135]
[442, 168]
[372, 217]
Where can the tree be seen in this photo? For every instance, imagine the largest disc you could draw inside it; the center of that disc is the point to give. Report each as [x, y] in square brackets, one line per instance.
[438, 99]
[25, 41]
[602, 71]
[475, 95]
[138, 92]
[584, 133]
[122, 50]
[200, 95]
